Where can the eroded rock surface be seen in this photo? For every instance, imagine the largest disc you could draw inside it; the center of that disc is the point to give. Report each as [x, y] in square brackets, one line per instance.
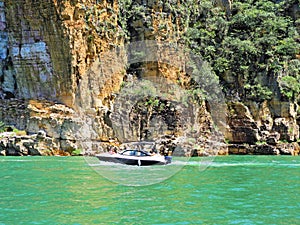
[60, 75]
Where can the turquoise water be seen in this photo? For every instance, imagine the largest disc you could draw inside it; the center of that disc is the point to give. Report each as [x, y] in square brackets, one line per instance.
[231, 190]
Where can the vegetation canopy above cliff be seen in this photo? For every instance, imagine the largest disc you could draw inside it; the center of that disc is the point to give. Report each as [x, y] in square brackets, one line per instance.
[254, 48]
[258, 45]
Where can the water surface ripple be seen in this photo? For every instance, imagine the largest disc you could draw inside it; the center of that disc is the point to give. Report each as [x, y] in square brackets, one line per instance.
[232, 190]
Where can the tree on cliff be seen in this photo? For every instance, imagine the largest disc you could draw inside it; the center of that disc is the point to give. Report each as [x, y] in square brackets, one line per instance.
[256, 52]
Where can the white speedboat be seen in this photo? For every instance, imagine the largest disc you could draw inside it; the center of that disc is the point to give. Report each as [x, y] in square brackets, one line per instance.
[133, 157]
[139, 157]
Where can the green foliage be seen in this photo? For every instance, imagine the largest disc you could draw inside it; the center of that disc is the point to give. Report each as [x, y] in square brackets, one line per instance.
[104, 28]
[227, 141]
[2, 127]
[259, 40]
[77, 152]
[19, 132]
[129, 12]
[283, 141]
[248, 51]
[258, 92]
[152, 102]
[260, 142]
[290, 86]
[289, 80]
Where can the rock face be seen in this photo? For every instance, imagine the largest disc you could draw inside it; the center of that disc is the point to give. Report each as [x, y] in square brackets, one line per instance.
[242, 127]
[52, 129]
[247, 127]
[47, 54]
[13, 145]
[265, 149]
[37, 61]
[6, 73]
[91, 29]
[255, 126]
[60, 75]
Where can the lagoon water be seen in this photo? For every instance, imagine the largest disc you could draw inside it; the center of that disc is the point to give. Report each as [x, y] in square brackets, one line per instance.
[231, 190]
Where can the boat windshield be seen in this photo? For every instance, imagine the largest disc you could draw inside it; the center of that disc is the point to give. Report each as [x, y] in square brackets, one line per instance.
[140, 146]
[133, 152]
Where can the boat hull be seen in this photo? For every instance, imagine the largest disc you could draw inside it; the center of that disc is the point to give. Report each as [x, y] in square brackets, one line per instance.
[140, 162]
[135, 161]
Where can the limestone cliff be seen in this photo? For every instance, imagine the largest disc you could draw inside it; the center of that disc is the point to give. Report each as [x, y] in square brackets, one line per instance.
[37, 57]
[60, 73]
[51, 50]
